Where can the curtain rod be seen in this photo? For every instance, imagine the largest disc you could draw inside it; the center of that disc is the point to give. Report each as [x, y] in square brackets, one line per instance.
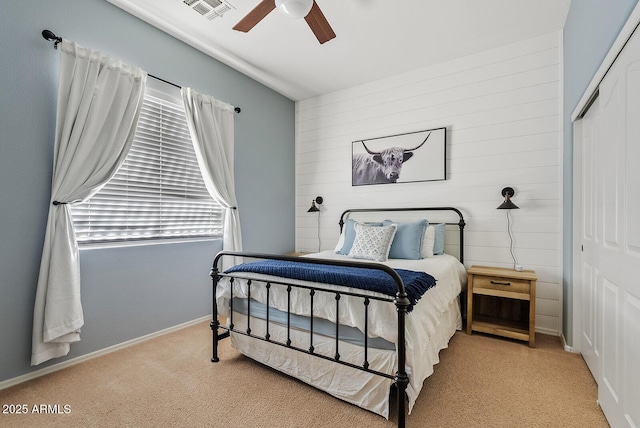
[236, 109]
[50, 36]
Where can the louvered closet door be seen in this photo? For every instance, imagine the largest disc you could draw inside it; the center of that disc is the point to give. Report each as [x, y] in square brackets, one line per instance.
[618, 238]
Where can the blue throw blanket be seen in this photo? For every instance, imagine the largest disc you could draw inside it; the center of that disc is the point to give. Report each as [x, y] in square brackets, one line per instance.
[416, 283]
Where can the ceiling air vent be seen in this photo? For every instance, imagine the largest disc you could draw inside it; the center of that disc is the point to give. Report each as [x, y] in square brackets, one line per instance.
[210, 9]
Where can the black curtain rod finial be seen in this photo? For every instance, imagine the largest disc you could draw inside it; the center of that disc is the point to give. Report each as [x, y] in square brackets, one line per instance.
[50, 36]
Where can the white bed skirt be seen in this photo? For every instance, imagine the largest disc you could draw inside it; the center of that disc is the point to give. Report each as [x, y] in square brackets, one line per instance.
[366, 390]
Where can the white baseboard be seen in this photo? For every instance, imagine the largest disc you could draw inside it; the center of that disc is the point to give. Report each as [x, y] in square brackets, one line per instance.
[54, 368]
[547, 331]
[567, 347]
[557, 333]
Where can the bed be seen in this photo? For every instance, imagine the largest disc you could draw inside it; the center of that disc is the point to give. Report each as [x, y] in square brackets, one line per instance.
[354, 322]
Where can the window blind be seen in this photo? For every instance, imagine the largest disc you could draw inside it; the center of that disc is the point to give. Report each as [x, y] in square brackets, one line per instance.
[158, 193]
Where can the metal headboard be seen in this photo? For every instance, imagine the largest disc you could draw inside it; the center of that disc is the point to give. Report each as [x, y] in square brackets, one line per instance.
[461, 223]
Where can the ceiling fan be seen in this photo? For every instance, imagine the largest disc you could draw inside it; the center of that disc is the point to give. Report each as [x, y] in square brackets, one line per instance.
[294, 9]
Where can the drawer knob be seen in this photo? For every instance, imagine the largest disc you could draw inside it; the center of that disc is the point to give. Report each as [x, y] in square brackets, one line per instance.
[501, 283]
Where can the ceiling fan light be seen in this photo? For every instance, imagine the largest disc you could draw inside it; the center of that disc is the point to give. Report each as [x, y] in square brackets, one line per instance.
[294, 9]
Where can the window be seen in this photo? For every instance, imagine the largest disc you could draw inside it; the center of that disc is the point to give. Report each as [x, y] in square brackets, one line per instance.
[158, 193]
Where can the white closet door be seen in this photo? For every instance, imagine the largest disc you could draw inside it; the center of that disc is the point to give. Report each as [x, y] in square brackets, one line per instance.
[618, 238]
[586, 169]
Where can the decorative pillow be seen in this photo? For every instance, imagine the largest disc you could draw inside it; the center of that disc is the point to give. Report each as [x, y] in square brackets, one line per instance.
[407, 243]
[428, 241]
[438, 244]
[347, 236]
[372, 242]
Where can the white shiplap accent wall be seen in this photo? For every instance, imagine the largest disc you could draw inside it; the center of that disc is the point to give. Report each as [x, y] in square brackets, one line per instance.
[502, 110]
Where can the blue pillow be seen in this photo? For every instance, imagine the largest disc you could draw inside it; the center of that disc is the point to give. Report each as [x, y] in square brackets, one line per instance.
[350, 235]
[438, 244]
[408, 240]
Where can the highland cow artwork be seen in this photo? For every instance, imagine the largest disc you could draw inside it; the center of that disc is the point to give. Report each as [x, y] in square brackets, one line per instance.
[403, 158]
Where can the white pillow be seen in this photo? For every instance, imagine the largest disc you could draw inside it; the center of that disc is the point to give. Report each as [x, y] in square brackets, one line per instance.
[340, 243]
[372, 242]
[428, 241]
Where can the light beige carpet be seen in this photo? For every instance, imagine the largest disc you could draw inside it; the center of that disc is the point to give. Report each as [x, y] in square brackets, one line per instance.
[169, 381]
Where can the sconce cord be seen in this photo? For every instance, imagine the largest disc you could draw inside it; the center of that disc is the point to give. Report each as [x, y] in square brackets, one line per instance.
[318, 228]
[511, 238]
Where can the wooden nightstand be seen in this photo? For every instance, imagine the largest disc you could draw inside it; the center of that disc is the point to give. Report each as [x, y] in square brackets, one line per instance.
[502, 302]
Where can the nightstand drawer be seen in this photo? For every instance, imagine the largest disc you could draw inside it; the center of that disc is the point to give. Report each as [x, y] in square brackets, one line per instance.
[504, 284]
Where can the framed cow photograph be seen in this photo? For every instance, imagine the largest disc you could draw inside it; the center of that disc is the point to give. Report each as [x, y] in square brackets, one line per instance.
[403, 158]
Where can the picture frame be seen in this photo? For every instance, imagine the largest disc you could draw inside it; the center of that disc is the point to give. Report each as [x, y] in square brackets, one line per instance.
[401, 158]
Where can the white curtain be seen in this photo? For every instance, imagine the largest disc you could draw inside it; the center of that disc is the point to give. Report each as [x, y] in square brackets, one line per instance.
[99, 101]
[211, 126]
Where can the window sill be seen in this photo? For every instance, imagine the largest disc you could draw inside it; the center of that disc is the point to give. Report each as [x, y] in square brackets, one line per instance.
[124, 244]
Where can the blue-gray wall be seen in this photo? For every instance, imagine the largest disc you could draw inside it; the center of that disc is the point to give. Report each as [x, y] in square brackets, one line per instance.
[591, 28]
[133, 291]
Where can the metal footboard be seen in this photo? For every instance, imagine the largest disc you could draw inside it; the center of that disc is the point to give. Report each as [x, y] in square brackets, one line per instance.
[400, 378]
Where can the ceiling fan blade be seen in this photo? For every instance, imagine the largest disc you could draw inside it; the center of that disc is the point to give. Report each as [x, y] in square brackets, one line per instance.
[319, 24]
[255, 16]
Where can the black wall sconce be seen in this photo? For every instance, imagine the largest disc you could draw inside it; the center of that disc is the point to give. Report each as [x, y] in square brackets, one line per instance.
[508, 193]
[314, 209]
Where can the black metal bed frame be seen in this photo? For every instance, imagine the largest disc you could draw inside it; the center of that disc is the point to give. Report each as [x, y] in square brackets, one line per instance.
[401, 379]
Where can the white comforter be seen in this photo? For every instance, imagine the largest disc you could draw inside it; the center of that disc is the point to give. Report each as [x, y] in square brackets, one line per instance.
[421, 324]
